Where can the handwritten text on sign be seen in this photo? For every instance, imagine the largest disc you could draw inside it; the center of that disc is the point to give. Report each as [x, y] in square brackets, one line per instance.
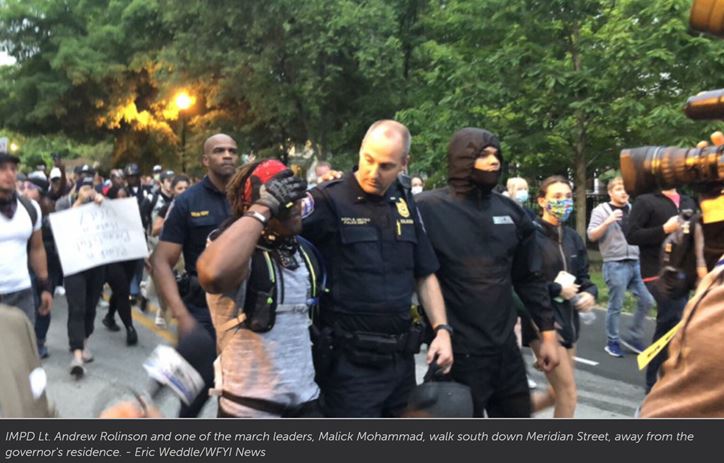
[93, 235]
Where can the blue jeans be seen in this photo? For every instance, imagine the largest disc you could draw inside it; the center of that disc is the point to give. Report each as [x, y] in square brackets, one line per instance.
[136, 279]
[621, 276]
[668, 314]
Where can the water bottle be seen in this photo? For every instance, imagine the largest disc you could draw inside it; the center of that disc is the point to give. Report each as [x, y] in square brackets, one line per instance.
[587, 317]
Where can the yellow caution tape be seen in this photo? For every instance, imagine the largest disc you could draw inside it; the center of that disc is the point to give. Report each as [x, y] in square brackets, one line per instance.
[645, 357]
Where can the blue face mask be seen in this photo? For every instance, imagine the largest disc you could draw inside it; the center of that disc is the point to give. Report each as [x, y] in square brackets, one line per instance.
[560, 208]
[521, 196]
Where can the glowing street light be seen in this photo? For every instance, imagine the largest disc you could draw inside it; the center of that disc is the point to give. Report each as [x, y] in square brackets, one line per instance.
[14, 147]
[183, 102]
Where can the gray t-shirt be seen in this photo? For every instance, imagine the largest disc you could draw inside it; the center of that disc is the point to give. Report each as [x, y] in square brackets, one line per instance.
[612, 244]
[276, 365]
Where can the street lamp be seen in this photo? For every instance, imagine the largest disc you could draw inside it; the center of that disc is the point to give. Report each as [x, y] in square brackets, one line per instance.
[14, 147]
[183, 102]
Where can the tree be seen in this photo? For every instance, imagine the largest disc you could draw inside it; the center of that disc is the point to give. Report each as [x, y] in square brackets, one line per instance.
[566, 83]
[85, 69]
[287, 72]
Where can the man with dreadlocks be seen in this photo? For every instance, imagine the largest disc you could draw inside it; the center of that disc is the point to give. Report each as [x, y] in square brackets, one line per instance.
[261, 282]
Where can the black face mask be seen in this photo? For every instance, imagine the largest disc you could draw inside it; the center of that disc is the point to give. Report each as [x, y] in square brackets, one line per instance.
[485, 180]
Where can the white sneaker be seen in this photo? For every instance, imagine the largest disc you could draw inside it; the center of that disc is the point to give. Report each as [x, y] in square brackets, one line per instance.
[59, 291]
[532, 384]
[87, 355]
[160, 321]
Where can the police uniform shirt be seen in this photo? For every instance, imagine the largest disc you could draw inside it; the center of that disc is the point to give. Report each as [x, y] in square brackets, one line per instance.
[193, 215]
[374, 247]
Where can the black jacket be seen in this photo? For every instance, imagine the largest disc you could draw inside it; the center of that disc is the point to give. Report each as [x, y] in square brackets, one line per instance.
[562, 249]
[486, 245]
[645, 227]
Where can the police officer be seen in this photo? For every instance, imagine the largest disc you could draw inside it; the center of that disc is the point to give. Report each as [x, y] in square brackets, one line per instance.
[486, 245]
[376, 252]
[193, 215]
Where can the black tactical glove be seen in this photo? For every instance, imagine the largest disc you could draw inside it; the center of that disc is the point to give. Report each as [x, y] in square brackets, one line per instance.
[281, 192]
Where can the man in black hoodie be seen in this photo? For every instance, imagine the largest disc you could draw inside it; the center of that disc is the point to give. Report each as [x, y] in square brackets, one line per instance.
[486, 246]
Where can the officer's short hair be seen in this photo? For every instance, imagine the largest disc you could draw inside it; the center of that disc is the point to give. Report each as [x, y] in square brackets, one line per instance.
[395, 126]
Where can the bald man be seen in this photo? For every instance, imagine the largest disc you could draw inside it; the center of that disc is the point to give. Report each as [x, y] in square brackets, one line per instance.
[377, 254]
[190, 219]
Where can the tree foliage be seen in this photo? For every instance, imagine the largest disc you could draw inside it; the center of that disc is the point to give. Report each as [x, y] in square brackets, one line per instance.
[565, 83]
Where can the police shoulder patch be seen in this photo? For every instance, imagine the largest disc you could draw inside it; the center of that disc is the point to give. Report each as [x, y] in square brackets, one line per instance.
[307, 206]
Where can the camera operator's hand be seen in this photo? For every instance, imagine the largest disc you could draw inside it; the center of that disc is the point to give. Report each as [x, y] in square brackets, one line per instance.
[717, 138]
[281, 192]
[672, 225]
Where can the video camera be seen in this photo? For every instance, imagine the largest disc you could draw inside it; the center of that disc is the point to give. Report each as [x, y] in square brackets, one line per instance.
[650, 168]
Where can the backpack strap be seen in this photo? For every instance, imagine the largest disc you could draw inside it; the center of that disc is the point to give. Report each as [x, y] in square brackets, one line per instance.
[317, 274]
[607, 208]
[262, 280]
[28, 205]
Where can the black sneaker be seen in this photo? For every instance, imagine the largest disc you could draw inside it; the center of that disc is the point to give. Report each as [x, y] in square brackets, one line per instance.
[143, 304]
[131, 336]
[76, 368]
[111, 324]
[43, 351]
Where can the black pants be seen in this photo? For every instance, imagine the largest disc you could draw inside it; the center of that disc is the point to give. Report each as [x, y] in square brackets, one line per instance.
[354, 390]
[119, 275]
[83, 290]
[306, 410]
[203, 317]
[668, 314]
[498, 382]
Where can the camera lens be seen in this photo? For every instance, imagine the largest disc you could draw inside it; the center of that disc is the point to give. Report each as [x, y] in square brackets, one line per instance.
[649, 168]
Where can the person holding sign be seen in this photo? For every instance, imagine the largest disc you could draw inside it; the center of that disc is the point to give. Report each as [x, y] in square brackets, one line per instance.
[83, 289]
[565, 267]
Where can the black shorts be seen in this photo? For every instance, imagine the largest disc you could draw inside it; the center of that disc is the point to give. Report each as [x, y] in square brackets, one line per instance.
[567, 324]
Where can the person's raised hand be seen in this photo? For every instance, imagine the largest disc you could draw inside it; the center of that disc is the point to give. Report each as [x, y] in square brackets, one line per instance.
[281, 192]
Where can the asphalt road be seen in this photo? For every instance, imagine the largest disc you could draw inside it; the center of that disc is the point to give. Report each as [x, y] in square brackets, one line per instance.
[607, 387]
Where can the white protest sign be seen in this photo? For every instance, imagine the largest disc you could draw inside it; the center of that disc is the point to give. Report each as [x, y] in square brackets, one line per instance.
[93, 235]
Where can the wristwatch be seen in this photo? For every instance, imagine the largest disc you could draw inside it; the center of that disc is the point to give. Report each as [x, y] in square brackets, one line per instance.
[444, 326]
[258, 216]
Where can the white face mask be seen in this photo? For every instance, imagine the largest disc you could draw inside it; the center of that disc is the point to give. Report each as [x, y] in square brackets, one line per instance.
[521, 196]
[416, 190]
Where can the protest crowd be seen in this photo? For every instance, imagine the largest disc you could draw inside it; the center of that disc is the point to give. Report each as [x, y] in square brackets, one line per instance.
[292, 299]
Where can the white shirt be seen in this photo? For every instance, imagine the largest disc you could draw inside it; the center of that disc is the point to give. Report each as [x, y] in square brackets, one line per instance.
[14, 236]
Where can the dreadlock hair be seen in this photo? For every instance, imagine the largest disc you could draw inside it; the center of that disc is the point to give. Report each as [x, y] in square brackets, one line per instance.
[235, 189]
